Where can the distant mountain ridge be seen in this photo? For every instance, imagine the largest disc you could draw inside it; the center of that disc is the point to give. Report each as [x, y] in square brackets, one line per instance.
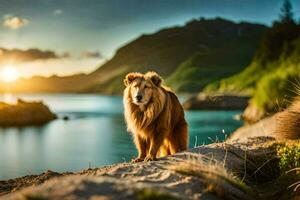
[164, 51]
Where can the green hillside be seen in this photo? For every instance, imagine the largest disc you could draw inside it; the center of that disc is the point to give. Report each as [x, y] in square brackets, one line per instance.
[272, 78]
[276, 45]
[280, 84]
[205, 67]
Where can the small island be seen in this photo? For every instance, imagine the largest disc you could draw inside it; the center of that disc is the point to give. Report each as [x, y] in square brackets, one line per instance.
[24, 114]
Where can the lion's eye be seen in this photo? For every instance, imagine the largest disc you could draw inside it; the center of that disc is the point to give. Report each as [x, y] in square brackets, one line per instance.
[146, 86]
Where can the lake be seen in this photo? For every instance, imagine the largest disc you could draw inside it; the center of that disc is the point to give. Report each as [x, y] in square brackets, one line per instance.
[94, 136]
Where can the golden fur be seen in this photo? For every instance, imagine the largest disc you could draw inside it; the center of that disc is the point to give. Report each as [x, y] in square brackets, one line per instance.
[288, 122]
[156, 118]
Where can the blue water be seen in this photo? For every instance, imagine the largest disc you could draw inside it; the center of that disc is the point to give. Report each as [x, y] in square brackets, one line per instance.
[94, 136]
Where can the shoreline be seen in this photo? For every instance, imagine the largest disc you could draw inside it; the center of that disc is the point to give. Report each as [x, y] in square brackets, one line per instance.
[216, 102]
[164, 177]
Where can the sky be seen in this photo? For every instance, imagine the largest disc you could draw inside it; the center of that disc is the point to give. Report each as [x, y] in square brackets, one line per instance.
[82, 34]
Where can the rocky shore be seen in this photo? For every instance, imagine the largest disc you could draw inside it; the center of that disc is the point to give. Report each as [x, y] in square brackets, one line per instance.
[216, 102]
[228, 170]
[282, 125]
[25, 114]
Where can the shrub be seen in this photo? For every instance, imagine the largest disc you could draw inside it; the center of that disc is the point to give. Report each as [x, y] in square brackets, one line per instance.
[289, 155]
[276, 90]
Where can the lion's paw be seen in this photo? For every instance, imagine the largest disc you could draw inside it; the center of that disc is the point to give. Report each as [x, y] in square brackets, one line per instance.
[137, 160]
[149, 158]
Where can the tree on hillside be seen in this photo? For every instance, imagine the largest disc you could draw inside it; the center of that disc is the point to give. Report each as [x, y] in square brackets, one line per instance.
[286, 14]
[277, 42]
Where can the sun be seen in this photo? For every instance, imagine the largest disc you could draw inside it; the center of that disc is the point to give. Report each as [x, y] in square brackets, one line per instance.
[9, 74]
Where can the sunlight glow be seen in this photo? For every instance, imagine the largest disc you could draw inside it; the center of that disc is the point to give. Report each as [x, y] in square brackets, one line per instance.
[9, 98]
[9, 74]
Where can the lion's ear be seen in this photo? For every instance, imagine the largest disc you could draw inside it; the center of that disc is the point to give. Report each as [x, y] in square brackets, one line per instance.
[130, 77]
[155, 78]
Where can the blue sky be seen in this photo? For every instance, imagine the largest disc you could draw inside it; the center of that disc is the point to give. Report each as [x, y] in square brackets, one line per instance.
[76, 26]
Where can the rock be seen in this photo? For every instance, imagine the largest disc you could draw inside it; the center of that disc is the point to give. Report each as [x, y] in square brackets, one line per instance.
[265, 127]
[66, 118]
[252, 114]
[216, 102]
[161, 178]
[25, 114]
[282, 125]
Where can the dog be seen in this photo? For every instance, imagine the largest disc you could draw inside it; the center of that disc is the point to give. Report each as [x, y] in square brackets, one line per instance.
[154, 116]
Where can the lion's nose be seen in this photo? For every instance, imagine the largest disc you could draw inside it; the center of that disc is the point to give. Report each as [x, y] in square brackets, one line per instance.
[139, 97]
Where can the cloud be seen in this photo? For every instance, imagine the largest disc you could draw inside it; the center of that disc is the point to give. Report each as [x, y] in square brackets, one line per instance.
[14, 22]
[57, 12]
[91, 54]
[11, 56]
[60, 67]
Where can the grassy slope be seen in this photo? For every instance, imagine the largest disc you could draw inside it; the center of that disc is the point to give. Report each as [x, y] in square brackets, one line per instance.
[272, 83]
[272, 87]
[205, 67]
[243, 82]
[277, 88]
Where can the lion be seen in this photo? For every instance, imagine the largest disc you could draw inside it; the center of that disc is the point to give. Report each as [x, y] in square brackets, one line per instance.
[154, 116]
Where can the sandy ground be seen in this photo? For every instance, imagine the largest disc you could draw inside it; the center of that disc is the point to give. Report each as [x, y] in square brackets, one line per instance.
[127, 180]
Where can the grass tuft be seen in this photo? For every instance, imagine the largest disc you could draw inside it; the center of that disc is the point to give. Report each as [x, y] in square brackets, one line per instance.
[216, 178]
[287, 185]
[150, 194]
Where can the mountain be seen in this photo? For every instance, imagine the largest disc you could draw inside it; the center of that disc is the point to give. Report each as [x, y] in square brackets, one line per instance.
[215, 48]
[219, 48]
[272, 78]
[233, 52]
[276, 45]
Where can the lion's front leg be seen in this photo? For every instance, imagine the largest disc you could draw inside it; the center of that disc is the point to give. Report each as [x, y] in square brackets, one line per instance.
[141, 147]
[155, 143]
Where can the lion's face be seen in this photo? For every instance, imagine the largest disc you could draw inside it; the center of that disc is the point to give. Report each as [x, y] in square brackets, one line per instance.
[142, 86]
[141, 91]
